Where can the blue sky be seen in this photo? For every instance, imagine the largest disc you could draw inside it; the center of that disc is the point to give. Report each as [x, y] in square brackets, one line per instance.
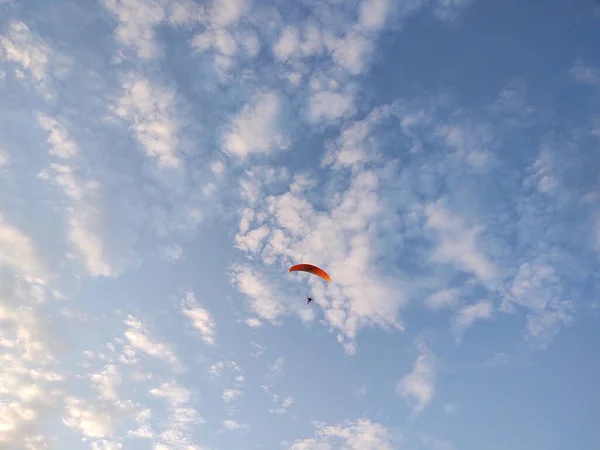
[163, 163]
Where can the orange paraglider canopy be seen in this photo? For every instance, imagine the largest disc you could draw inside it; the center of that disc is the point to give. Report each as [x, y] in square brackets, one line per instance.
[311, 269]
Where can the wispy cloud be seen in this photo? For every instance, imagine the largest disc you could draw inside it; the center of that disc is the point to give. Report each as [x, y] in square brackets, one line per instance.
[149, 108]
[355, 435]
[182, 416]
[257, 128]
[102, 254]
[141, 340]
[232, 425]
[19, 252]
[458, 242]
[36, 61]
[171, 253]
[465, 317]
[418, 387]
[202, 320]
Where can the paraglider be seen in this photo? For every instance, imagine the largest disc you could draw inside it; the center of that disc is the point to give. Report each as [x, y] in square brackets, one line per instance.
[309, 268]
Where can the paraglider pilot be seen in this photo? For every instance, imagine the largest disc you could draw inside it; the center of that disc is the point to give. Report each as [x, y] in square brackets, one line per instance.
[308, 300]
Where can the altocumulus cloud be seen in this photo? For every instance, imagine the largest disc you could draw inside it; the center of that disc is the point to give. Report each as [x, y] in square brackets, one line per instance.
[148, 145]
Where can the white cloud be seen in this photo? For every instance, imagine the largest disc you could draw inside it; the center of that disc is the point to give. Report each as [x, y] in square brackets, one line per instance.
[448, 10]
[465, 317]
[327, 105]
[253, 322]
[144, 429]
[351, 148]
[276, 369]
[106, 445]
[107, 382]
[62, 146]
[4, 159]
[443, 298]
[351, 52]
[264, 302]
[232, 425]
[257, 128]
[217, 167]
[102, 254]
[137, 19]
[202, 320]
[284, 405]
[18, 252]
[373, 14]
[230, 395]
[417, 388]
[139, 339]
[228, 12]
[182, 417]
[91, 421]
[537, 287]
[458, 243]
[361, 434]
[173, 393]
[28, 394]
[218, 367]
[585, 74]
[171, 253]
[150, 110]
[341, 240]
[287, 44]
[33, 55]
[451, 408]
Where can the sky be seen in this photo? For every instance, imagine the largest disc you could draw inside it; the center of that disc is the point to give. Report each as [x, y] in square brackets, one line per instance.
[164, 162]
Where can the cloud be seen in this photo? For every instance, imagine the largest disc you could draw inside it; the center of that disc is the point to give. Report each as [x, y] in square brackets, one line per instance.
[465, 317]
[458, 243]
[149, 108]
[257, 128]
[28, 394]
[451, 408]
[264, 301]
[417, 388]
[585, 74]
[182, 417]
[226, 13]
[107, 382]
[537, 288]
[34, 57]
[443, 298]
[373, 14]
[139, 338]
[202, 320]
[253, 322]
[32, 380]
[216, 368]
[230, 395]
[361, 434]
[276, 369]
[232, 425]
[102, 253]
[328, 105]
[138, 19]
[343, 240]
[283, 406]
[144, 429]
[89, 419]
[171, 253]
[19, 252]
[449, 10]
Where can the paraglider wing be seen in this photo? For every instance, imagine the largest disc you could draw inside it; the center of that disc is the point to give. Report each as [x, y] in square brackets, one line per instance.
[311, 269]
